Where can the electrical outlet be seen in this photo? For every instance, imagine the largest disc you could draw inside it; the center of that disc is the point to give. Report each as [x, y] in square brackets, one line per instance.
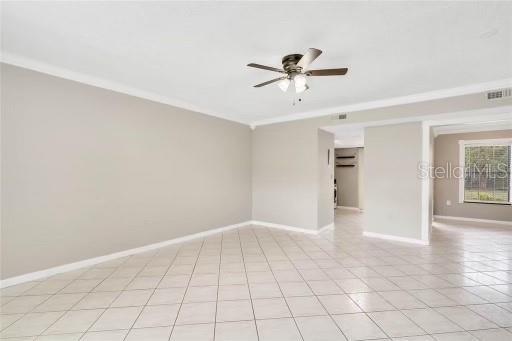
[448, 202]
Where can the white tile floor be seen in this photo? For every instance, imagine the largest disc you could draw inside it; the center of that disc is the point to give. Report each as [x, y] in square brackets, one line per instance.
[262, 284]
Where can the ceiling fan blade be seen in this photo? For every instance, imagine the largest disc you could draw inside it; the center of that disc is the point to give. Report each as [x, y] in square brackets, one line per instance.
[269, 82]
[309, 57]
[327, 72]
[264, 67]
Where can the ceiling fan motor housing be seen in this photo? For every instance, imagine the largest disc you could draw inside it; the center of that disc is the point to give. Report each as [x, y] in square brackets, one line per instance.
[290, 63]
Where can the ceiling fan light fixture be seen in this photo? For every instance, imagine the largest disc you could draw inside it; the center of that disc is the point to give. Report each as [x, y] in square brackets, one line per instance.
[300, 89]
[300, 83]
[284, 84]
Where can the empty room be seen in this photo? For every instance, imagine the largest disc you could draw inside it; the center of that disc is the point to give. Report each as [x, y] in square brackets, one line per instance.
[256, 171]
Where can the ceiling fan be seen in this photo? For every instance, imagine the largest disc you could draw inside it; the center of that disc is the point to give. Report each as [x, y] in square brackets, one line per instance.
[295, 68]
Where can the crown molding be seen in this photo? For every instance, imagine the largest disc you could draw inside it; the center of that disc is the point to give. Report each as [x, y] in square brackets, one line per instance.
[103, 83]
[472, 128]
[476, 116]
[388, 102]
[32, 64]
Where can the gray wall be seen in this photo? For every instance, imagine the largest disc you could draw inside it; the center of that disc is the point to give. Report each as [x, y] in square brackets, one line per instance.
[393, 201]
[88, 172]
[347, 178]
[325, 178]
[285, 177]
[291, 183]
[151, 184]
[446, 150]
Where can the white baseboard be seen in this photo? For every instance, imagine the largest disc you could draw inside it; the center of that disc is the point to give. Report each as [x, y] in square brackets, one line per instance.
[395, 238]
[325, 228]
[32, 276]
[474, 220]
[284, 227]
[350, 208]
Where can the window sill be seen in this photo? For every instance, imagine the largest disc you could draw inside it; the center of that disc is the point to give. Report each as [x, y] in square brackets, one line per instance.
[487, 202]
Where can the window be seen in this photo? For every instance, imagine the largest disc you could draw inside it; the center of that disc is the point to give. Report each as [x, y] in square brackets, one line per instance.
[486, 171]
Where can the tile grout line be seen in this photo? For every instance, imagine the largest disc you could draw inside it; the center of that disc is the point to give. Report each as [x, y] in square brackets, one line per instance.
[434, 289]
[312, 291]
[86, 293]
[218, 284]
[186, 289]
[398, 309]
[154, 290]
[283, 297]
[363, 278]
[110, 305]
[316, 296]
[247, 283]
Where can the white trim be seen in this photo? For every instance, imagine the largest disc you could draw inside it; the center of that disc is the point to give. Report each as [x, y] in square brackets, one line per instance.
[351, 208]
[395, 238]
[472, 128]
[39, 66]
[504, 203]
[421, 97]
[462, 167]
[475, 220]
[426, 147]
[462, 163]
[486, 142]
[475, 116]
[325, 228]
[284, 227]
[32, 276]
[96, 260]
[354, 145]
[103, 83]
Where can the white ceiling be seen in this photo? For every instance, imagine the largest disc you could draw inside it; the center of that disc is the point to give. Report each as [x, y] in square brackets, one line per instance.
[194, 54]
